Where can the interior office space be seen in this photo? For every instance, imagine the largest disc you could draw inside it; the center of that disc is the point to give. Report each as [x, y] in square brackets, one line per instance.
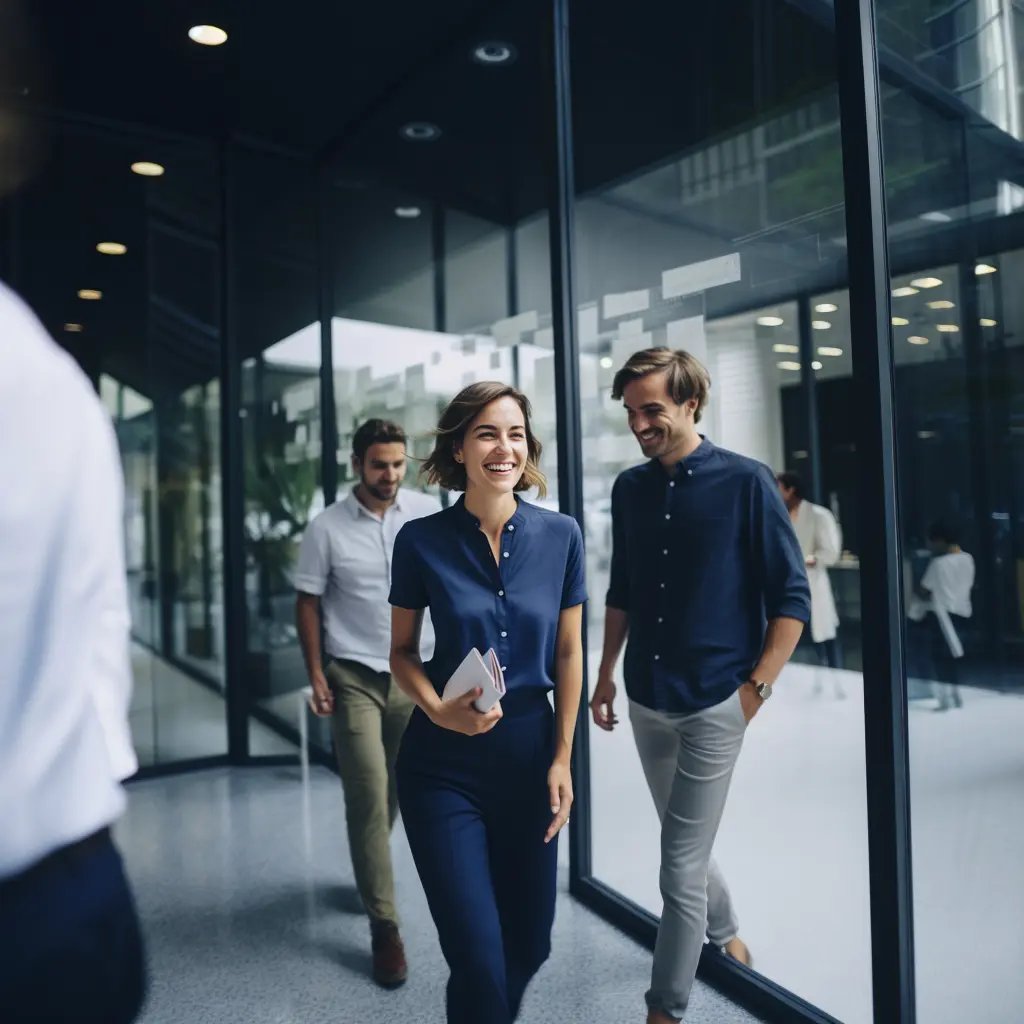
[252, 247]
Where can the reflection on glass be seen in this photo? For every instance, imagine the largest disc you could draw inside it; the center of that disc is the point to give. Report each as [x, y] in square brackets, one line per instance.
[719, 241]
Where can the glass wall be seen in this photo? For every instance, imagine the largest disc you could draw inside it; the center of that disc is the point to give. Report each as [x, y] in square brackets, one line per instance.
[709, 211]
[124, 270]
[954, 196]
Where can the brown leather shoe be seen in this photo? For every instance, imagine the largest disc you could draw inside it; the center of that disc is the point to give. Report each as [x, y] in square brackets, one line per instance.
[389, 967]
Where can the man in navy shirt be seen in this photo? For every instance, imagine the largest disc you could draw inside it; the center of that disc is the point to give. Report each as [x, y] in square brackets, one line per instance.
[708, 582]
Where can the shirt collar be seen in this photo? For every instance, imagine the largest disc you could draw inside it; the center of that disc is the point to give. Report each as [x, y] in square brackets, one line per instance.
[469, 521]
[356, 507]
[697, 457]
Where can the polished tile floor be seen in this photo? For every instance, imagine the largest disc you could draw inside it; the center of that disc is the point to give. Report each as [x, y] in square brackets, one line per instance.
[245, 890]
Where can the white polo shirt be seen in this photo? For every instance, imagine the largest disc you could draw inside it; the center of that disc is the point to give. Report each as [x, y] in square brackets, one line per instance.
[345, 559]
[65, 680]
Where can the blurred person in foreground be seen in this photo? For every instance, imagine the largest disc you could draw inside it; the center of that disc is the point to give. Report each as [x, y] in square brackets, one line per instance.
[68, 928]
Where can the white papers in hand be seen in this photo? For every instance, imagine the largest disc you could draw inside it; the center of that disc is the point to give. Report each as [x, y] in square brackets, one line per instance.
[477, 670]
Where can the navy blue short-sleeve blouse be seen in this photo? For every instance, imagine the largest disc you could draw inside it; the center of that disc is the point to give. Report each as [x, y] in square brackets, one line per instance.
[444, 562]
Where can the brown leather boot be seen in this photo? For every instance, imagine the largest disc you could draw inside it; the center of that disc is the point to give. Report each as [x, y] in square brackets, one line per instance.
[389, 967]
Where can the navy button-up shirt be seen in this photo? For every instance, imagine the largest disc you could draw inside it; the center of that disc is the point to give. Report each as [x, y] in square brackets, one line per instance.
[444, 562]
[701, 559]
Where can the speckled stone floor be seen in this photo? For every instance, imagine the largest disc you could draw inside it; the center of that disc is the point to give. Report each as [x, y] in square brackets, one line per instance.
[245, 890]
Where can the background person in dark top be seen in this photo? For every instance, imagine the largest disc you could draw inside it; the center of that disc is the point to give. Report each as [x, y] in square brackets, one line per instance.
[708, 582]
[483, 795]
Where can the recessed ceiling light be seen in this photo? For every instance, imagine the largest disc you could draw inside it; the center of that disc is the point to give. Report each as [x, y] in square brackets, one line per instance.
[207, 35]
[607, 362]
[827, 351]
[926, 282]
[420, 131]
[112, 248]
[494, 53]
[816, 365]
[407, 212]
[787, 364]
[916, 339]
[936, 217]
[825, 307]
[948, 328]
[941, 304]
[770, 321]
[984, 268]
[90, 294]
[820, 325]
[900, 321]
[902, 293]
[783, 349]
[74, 328]
[147, 169]
[987, 322]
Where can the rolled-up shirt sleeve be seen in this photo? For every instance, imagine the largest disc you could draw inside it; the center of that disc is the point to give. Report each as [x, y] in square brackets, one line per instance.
[618, 579]
[408, 589]
[787, 593]
[313, 567]
[574, 586]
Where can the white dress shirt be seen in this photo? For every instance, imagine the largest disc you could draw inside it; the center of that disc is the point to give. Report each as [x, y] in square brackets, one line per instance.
[64, 672]
[345, 559]
[821, 539]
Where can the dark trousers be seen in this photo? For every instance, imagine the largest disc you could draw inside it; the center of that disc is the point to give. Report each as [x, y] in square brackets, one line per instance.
[475, 810]
[71, 948]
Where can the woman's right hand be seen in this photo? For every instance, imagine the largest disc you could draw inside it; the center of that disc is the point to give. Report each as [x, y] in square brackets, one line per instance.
[459, 715]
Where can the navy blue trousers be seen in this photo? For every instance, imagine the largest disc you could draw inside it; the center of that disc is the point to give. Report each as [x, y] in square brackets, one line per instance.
[475, 810]
[70, 939]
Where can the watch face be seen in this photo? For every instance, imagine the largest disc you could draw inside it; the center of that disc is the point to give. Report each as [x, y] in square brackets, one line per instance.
[764, 690]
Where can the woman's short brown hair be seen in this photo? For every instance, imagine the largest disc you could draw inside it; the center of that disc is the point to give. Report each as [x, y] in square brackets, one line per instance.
[687, 377]
[442, 469]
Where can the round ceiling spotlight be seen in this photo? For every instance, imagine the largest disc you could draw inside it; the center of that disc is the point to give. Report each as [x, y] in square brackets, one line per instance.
[770, 321]
[420, 131]
[207, 35]
[74, 328]
[111, 248]
[407, 212]
[90, 294]
[494, 53]
[148, 169]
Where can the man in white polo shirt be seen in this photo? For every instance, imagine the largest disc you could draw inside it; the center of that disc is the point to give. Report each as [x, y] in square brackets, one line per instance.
[344, 573]
[69, 935]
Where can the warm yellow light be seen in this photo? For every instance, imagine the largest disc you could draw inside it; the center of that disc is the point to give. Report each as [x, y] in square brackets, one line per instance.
[207, 35]
[826, 307]
[828, 351]
[948, 328]
[927, 282]
[820, 325]
[90, 294]
[770, 321]
[74, 328]
[787, 364]
[147, 168]
[902, 293]
[112, 248]
[941, 304]
[783, 349]
[986, 322]
[900, 321]
[984, 268]
[917, 340]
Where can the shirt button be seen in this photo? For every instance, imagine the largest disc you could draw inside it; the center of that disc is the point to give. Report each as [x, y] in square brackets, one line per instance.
[657, 657]
[504, 668]
[668, 515]
[671, 483]
[504, 554]
[665, 551]
[510, 527]
[503, 633]
[662, 585]
[501, 593]
[661, 618]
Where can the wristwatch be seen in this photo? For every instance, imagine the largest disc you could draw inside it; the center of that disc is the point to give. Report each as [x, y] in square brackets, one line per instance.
[763, 690]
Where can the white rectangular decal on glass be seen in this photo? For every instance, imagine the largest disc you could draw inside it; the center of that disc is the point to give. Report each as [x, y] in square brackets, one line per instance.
[699, 276]
[623, 303]
[688, 334]
[509, 330]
